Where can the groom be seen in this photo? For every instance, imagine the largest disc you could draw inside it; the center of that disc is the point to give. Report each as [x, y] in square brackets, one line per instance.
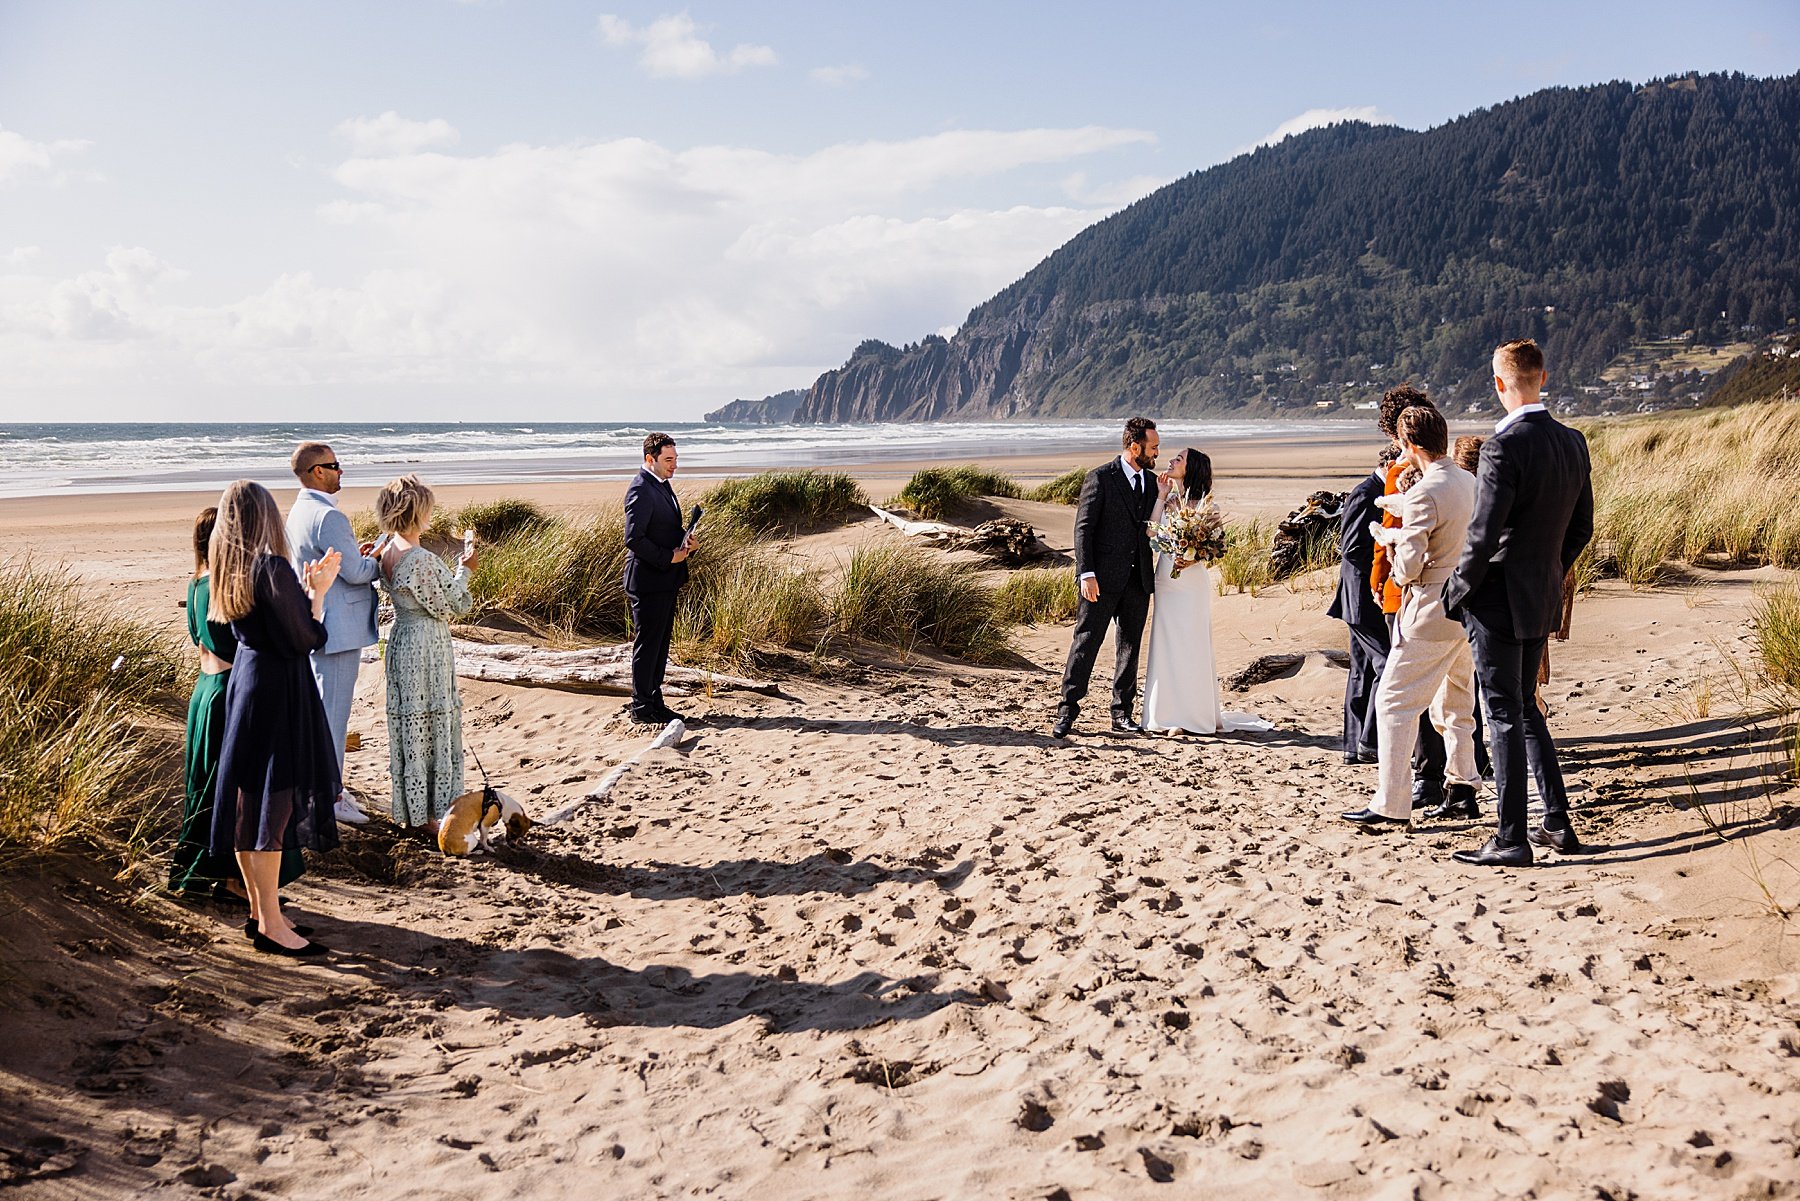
[1116, 572]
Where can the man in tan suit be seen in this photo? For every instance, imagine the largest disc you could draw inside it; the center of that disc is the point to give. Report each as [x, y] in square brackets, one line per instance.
[1430, 665]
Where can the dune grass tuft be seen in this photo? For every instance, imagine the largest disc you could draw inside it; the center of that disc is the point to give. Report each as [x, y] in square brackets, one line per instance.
[786, 499]
[937, 492]
[77, 684]
[1245, 565]
[560, 577]
[492, 520]
[904, 595]
[1065, 489]
[1037, 595]
[1775, 620]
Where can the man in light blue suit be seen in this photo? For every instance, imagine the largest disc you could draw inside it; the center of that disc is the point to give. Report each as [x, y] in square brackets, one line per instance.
[314, 526]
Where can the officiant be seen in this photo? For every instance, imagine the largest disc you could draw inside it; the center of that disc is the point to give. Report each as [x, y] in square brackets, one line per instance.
[657, 546]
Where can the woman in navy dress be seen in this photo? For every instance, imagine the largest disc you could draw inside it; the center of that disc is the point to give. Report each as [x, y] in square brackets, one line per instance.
[278, 775]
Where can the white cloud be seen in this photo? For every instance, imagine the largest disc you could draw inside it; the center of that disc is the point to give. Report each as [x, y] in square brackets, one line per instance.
[625, 271]
[671, 47]
[22, 158]
[1315, 118]
[390, 133]
[837, 77]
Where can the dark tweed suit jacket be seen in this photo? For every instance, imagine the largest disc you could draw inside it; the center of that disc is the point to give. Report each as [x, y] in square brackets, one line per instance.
[1111, 539]
[1355, 602]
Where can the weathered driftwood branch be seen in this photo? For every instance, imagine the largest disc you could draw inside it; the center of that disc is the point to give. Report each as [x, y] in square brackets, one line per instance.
[599, 669]
[918, 529]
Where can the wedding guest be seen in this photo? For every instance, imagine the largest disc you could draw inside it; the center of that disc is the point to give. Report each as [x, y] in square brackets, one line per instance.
[1534, 513]
[1429, 669]
[657, 546]
[1466, 450]
[1357, 608]
[278, 777]
[424, 708]
[1115, 573]
[1428, 757]
[315, 525]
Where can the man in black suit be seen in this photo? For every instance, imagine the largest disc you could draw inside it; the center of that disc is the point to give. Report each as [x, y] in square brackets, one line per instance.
[657, 546]
[1534, 512]
[1357, 607]
[1116, 572]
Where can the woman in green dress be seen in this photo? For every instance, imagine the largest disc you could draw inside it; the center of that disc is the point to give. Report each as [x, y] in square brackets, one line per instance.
[195, 872]
[424, 709]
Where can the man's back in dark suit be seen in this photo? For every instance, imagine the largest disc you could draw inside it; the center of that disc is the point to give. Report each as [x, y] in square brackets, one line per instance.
[1534, 512]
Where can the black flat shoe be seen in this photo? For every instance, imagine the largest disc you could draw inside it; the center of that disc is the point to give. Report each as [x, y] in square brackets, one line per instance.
[1495, 853]
[250, 930]
[1124, 725]
[269, 946]
[1352, 758]
[1375, 823]
[1563, 841]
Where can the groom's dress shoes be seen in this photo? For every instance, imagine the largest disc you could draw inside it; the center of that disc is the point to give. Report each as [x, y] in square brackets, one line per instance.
[1459, 802]
[1427, 794]
[1124, 725]
[1064, 723]
[1376, 823]
[1562, 840]
[1496, 854]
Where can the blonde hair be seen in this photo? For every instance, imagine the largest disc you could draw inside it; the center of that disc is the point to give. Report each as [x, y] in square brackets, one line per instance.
[404, 505]
[248, 526]
[1520, 363]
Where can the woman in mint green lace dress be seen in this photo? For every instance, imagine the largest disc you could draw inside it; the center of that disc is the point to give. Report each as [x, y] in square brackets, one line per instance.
[424, 710]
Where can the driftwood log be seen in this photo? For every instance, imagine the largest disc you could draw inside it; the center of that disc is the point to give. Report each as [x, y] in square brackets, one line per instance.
[1313, 524]
[1004, 540]
[599, 669]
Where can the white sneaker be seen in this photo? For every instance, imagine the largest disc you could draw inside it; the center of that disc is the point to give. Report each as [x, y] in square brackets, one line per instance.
[347, 811]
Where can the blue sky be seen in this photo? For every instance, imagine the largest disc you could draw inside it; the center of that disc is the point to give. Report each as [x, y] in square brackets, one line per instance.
[424, 209]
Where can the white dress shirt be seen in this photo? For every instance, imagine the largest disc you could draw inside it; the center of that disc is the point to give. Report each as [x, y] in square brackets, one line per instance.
[1518, 414]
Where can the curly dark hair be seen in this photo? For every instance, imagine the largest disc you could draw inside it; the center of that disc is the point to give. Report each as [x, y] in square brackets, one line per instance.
[1396, 401]
[654, 443]
[1136, 431]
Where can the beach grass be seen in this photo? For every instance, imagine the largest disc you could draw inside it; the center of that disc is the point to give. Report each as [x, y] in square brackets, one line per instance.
[78, 685]
[773, 500]
[1775, 622]
[905, 595]
[492, 520]
[1711, 486]
[1245, 565]
[750, 605]
[935, 493]
[1065, 489]
[562, 578]
[1037, 595]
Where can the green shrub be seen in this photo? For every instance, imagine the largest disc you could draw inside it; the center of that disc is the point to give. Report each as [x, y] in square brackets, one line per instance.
[937, 492]
[1065, 489]
[1037, 595]
[902, 595]
[791, 499]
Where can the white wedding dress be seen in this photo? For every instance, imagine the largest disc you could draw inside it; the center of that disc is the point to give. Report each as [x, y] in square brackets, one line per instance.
[1181, 683]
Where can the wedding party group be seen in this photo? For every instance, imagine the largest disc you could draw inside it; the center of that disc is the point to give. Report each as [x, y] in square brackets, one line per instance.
[281, 611]
[1453, 578]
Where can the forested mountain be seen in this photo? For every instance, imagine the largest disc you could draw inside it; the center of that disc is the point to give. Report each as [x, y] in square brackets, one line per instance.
[1346, 259]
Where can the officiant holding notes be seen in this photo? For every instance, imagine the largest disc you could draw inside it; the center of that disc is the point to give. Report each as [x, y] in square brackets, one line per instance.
[657, 545]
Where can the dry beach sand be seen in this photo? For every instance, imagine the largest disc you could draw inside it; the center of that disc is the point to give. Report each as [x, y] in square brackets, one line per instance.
[880, 937]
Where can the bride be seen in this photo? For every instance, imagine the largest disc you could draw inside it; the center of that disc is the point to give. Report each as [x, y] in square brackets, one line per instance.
[1181, 684]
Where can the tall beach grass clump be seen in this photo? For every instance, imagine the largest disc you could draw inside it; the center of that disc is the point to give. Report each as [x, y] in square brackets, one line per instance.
[1037, 595]
[1717, 484]
[786, 499]
[1775, 620]
[906, 595]
[1065, 489]
[937, 492]
[1245, 564]
[78, 684]
[563, 577]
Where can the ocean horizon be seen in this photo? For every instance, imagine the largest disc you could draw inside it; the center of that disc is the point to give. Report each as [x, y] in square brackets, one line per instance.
[65, 458]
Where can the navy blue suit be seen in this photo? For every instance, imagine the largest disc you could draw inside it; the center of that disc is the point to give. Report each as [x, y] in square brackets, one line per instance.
[1534, 512]
[654, 531]
[1355, 605]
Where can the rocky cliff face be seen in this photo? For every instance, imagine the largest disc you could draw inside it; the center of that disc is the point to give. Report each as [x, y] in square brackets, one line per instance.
[778, 409]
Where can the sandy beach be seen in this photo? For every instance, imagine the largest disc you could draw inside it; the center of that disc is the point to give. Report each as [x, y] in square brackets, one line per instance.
[879, 936]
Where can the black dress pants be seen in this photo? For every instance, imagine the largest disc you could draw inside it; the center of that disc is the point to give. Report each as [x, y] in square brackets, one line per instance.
[1129, 607]
[1368, 657]
[1506, 673]
[653, 624]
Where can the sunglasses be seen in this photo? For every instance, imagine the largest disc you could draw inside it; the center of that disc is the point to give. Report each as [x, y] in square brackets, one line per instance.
[337, 467]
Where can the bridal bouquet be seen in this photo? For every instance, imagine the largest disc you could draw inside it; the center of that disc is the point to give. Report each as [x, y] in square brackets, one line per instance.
[1196, 534]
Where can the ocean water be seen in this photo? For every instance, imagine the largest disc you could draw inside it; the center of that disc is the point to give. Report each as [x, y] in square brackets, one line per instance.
[50, 459]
